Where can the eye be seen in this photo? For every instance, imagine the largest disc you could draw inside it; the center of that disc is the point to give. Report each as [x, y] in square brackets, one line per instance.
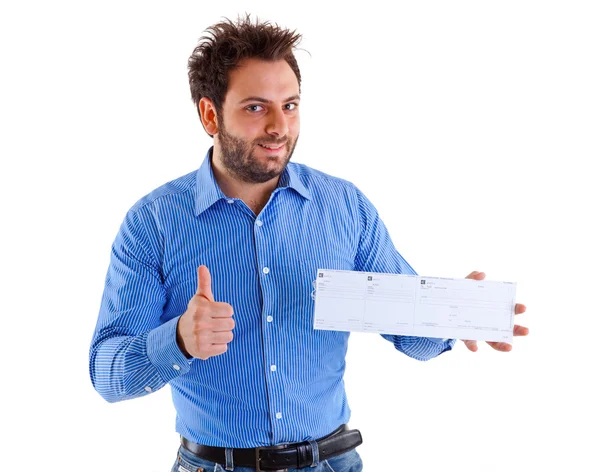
[291, 106]
[254, 108]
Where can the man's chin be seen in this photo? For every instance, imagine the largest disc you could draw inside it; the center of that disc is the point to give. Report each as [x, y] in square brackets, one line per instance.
[265, 174]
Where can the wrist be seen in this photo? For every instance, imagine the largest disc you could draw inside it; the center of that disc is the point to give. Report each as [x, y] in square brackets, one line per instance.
[180, 343]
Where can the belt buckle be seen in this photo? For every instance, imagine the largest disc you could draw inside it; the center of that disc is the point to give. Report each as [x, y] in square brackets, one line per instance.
[257, 456]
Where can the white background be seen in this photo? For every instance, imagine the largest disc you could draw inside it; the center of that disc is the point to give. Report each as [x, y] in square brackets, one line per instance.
[473, 126]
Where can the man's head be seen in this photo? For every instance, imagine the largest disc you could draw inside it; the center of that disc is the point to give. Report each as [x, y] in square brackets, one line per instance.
[245, 83]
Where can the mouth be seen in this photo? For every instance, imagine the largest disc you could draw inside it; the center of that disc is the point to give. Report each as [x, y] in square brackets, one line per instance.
[272, 148]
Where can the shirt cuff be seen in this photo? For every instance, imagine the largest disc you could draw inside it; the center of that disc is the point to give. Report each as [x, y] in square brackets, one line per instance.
[164, 353]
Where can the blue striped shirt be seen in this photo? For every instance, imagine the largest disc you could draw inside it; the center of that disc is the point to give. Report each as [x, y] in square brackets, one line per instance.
[280, 381]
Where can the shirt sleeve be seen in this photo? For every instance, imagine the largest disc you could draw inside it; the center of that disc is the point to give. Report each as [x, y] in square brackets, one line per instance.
[132, 351]
[376, 253]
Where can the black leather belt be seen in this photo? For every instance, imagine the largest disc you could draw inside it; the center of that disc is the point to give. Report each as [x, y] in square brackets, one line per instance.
[282, 456]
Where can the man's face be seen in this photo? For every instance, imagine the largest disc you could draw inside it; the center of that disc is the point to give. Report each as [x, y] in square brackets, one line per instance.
[260, 121]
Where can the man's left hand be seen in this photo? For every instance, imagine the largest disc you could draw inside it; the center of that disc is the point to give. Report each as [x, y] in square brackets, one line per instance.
[517, 331]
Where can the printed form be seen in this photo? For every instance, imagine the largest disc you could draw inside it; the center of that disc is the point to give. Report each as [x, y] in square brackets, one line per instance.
[414, 305]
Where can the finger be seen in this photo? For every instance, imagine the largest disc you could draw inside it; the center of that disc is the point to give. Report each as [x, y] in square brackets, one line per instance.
[222, 338]
[498, 346]
[223, 324]
[471, 344]
[222, 310]
[520, 308]
[204, 289]
[476, 275]
[217, 349]
[520, 331]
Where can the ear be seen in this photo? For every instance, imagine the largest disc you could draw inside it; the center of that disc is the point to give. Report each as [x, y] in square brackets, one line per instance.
[208, 115]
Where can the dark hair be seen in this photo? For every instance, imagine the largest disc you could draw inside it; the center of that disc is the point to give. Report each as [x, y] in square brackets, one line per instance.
[226, 45]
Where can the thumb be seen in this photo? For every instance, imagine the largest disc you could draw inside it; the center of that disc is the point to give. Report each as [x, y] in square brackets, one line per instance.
[476, 275]
[204, 289]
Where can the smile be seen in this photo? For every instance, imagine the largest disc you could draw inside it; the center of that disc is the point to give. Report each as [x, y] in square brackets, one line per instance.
[271, 147]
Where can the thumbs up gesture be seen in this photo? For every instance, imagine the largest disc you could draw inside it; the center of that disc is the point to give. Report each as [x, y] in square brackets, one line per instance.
[206, 326]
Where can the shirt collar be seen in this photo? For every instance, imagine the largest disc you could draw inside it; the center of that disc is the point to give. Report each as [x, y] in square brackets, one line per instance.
[209, 192]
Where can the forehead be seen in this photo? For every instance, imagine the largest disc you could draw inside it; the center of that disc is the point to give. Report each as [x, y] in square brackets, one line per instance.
[272, 80]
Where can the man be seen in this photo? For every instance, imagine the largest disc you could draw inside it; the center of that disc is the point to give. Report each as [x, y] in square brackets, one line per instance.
[210, 279]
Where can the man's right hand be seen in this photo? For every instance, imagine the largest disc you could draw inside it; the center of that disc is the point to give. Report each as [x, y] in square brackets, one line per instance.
[206, 326]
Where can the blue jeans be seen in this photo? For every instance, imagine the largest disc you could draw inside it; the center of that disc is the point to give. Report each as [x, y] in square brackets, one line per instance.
[348, 462]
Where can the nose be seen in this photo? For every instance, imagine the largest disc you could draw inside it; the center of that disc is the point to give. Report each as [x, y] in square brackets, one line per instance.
[277, 124]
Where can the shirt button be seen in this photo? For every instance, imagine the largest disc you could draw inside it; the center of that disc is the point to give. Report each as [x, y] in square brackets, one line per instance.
[269, 318]
[278, 415]
[176, 367]
[229, 201]
[265, 270]
[148, 389]
[258, 223]
[273, 368]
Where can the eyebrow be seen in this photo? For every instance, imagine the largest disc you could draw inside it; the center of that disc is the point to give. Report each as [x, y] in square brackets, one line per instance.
[264, 100]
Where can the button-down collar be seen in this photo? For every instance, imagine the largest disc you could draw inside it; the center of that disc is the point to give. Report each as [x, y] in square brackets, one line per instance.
[208, 191]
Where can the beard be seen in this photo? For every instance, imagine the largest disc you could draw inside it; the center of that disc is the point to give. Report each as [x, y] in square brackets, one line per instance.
[239, 160]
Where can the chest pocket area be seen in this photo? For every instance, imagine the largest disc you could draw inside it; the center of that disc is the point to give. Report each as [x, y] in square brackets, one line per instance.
[326, 261]
[310, 267]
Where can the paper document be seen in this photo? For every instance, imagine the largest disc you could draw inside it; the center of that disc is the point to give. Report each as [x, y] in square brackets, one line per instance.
[414, 305]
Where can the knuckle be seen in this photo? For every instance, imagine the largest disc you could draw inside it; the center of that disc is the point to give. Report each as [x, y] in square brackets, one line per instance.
[196, 310]
[225, 309]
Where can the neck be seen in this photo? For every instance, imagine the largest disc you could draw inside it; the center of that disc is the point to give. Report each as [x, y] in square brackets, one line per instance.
[255, 195]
